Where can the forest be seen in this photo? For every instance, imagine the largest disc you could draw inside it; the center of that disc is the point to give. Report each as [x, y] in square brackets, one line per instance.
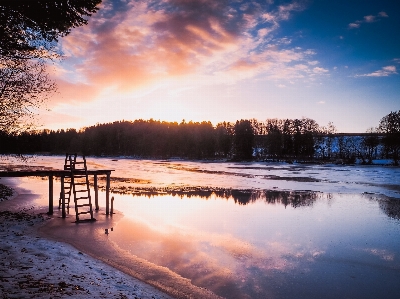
[245, 140]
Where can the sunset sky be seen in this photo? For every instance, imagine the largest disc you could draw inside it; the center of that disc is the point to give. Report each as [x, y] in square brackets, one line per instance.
[223, 60]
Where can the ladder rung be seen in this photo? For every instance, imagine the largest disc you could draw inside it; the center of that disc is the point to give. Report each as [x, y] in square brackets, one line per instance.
[80, 183]
[88, 212]
[82, 198]
[85, 190]
[84, 205]
[79, 162]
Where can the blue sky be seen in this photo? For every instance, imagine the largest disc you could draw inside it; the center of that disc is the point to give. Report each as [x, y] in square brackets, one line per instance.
[222, 60]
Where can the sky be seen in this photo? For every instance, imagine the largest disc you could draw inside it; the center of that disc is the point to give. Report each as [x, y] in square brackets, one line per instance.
[226, 60]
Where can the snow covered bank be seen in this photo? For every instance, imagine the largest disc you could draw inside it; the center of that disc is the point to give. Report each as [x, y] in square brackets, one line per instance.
[33, 267]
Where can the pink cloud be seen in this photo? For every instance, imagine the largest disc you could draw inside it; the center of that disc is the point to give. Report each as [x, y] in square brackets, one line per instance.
[129, 45]
[73, 93]
[368, 19]
[354, 25]
[384, 72]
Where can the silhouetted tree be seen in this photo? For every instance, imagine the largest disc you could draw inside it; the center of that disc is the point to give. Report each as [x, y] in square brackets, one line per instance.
[325, 140]
[224, 139]
[370, 145]
[389, 125]
[29, 27]
[287, 149]
[274, 138]
[243, 140]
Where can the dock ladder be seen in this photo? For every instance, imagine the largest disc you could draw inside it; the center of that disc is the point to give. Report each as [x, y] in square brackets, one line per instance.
[68, 165]
[80, 187]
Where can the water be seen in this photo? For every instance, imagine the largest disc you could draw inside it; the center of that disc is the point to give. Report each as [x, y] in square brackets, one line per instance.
[256, 230]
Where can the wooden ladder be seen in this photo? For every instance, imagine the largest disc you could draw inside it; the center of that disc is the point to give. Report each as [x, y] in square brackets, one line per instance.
[81, 188]
[68, 165]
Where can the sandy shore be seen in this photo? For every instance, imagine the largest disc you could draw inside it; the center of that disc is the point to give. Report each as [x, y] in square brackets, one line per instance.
[49, 257]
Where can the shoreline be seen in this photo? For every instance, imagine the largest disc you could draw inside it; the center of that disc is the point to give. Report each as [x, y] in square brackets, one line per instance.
[35, 242]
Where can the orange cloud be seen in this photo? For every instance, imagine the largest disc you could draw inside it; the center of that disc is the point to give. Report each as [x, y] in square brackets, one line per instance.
[130, 45]
[73, 93]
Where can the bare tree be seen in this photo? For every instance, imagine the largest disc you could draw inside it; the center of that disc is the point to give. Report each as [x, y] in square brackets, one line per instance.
[29, 31]
[24, 87]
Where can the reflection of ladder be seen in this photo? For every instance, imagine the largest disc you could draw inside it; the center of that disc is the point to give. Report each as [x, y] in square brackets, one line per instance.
[68, 165]
[80, 188]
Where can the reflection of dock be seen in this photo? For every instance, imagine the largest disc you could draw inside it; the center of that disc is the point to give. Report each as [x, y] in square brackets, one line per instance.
[62, 174]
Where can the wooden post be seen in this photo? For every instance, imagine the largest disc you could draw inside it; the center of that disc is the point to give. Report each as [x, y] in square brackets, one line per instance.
[50, 195]
[96, 193]
[112, 206]
[63, 198]
[108, 194]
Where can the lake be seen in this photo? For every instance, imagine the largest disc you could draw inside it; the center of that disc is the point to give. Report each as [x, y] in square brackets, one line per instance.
[258, 230]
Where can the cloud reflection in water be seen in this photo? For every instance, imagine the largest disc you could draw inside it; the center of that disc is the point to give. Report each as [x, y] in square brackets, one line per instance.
[199, 239]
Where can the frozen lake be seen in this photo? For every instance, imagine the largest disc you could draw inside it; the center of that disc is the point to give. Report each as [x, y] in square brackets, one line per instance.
[258, 230]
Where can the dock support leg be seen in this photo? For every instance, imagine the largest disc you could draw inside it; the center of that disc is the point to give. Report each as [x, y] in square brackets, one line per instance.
[50, 195]
[112, 206]
[108, 194]
[63, 198]
[96, 193]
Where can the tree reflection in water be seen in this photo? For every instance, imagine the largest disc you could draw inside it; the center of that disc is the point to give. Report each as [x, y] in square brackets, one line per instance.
[391, 207]
[239, 196]
[295, 199]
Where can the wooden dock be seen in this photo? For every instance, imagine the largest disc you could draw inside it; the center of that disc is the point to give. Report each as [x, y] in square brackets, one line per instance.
[62, 174]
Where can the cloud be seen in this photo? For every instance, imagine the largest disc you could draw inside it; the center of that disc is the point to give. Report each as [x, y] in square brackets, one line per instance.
[73, 93]
[133, 44]
[384, 72]
[368, 19]
[354, 25]
[381, 253]
[320, 70]
[383, 14]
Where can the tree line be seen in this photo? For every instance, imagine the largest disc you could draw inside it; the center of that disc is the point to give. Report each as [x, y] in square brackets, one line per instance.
[275, 139]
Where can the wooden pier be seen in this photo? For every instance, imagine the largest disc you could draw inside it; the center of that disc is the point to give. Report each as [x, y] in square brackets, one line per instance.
[62, 174]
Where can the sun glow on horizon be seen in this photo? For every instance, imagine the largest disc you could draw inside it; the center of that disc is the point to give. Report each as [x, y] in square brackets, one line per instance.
[150, 60]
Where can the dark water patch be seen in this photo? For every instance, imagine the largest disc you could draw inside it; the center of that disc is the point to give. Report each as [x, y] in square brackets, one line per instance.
[394, 187]
[292, 179]
[24, 167]
[247, 175]
[5, 192]
[259, 168]
[391, 207]
[218, 172]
